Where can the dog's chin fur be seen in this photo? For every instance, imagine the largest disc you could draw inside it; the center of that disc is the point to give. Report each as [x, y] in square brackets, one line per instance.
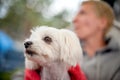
[55, 57]
[29, 64]
[55, 71]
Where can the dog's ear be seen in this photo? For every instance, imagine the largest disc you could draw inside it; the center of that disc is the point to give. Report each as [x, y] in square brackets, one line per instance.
[70, 48]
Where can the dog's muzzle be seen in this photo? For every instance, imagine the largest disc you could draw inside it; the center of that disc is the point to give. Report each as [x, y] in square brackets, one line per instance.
[28, 44]
[28, 50]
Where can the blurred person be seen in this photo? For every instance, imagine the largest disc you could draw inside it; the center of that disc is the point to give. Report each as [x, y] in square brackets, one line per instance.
[101, 59]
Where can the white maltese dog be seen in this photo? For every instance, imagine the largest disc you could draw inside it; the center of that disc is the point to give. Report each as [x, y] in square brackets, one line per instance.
[55, 50]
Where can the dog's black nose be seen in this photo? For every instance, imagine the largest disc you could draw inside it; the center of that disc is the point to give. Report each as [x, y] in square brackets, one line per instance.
[27, 44]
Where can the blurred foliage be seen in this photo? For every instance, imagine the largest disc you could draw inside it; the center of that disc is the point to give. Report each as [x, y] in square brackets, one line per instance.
[5, 76]
[21, 17]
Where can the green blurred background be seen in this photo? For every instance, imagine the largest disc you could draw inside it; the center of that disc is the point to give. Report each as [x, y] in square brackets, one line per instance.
[19, 16]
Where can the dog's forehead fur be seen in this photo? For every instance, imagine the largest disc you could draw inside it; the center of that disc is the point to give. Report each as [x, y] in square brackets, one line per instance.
[40, 32]
[44, 30]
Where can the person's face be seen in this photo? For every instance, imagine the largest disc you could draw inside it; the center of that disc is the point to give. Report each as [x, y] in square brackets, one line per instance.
[86, 22]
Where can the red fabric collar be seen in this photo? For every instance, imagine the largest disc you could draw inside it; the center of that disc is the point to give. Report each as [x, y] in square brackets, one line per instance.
[74, 72]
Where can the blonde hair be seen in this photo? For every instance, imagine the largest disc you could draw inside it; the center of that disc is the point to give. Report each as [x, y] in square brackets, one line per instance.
[102, 9]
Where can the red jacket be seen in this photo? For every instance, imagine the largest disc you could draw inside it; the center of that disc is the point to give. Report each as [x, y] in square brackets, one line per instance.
[74, 72]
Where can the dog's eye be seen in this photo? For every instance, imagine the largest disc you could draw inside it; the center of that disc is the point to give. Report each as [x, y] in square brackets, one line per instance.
[47, 39]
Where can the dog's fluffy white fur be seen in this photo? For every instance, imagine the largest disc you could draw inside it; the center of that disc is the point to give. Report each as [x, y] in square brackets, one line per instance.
[55, 50]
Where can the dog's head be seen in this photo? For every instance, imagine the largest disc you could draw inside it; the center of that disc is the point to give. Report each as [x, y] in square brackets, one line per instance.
[47, 44]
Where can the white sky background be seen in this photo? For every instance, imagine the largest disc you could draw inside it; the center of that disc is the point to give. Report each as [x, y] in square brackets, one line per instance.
[55, 8]
[59, 5]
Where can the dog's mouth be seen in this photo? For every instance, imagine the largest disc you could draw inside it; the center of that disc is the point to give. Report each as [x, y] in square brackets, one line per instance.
[30, 52]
